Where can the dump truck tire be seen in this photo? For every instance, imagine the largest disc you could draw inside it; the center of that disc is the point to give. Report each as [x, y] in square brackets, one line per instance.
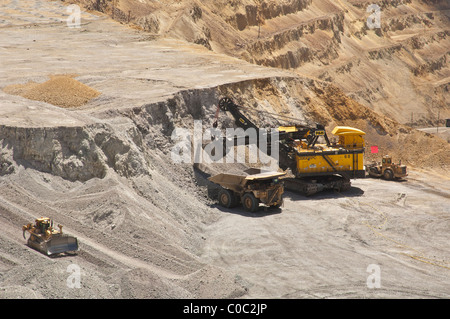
[227, 198]
[250, 202]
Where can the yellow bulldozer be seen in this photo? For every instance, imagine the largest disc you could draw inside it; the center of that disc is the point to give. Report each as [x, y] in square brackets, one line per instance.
[48, 240]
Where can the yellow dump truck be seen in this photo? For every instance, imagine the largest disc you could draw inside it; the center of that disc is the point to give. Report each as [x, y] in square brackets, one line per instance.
[250, 189]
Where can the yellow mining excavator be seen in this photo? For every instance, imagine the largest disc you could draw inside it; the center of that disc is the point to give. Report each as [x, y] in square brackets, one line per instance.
[315, 166]
[47, 240]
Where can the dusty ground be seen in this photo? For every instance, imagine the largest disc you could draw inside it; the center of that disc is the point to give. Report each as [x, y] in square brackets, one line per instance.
[146, 226]
[322, 247]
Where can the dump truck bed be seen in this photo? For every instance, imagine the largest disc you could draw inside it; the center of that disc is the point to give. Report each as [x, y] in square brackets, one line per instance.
[237, 182]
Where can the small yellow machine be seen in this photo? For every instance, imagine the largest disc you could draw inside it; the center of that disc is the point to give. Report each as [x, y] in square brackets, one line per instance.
[47, 240]
[387, 169]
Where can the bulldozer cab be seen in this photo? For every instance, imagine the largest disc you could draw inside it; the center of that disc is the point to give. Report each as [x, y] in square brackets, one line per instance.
[43, 225]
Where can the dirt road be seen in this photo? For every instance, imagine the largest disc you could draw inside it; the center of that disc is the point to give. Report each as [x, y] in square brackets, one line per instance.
[325, 246]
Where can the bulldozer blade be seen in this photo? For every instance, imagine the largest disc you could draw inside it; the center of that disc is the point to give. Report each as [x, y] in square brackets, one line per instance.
[61, 244]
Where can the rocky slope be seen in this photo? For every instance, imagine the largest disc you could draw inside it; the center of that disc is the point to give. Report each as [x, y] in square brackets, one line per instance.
[328, 40]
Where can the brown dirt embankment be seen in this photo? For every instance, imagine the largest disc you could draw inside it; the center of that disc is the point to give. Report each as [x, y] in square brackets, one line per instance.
[413, 147]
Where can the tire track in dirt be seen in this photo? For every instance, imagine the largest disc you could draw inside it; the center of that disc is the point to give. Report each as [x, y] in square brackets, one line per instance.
[116, 248]
[321, 247]
[418, 239]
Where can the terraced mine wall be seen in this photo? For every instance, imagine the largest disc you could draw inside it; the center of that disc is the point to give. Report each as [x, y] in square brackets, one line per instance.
[126, 145]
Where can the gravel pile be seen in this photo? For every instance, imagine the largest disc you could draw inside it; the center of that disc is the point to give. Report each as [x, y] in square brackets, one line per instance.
[59, 90]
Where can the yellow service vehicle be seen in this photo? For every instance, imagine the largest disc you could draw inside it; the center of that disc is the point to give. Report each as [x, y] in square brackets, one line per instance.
[387, 169]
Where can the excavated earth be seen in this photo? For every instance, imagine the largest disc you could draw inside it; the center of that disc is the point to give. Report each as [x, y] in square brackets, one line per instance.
[147, 228]
[335, 41]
